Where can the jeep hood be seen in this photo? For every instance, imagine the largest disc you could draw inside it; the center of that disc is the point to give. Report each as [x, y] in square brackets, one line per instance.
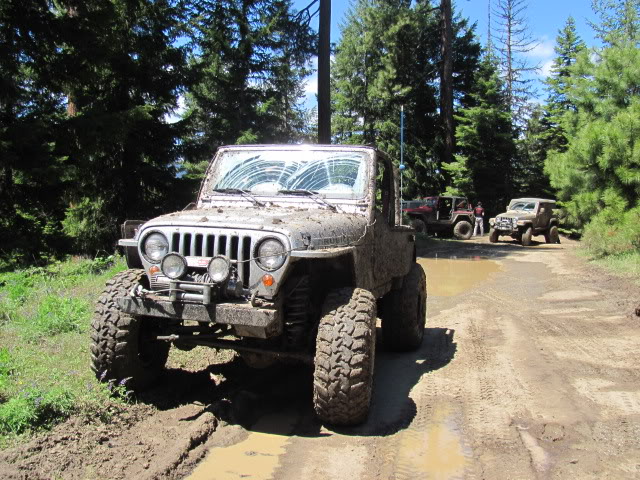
[306, 229]
[517, 213]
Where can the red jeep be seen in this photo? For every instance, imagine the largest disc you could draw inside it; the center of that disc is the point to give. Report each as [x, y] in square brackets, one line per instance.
[441, 214]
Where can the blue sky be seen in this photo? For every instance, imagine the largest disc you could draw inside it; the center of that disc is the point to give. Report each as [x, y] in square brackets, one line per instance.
[545, 18]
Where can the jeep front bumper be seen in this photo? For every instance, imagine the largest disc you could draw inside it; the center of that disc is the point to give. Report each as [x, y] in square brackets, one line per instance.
[247, 320]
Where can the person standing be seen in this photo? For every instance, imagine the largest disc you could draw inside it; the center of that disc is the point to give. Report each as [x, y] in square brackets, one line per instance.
[478, 212]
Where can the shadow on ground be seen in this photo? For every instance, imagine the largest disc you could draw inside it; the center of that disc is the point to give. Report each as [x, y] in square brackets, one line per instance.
[246, 395]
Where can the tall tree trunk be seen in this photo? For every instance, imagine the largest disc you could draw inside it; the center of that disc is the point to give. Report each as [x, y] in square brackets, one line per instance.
[72, 108]
[446, 82]
[324, 65]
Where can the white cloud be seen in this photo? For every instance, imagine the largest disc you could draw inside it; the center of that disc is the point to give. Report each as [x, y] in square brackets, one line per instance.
[545, 70]
[311, 85]
[543, 49]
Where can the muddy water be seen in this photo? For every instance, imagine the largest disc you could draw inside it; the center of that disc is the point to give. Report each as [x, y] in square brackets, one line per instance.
[447, 277]
[257, 457]
[436, 452]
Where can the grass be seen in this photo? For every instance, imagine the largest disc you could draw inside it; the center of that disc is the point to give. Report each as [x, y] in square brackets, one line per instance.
[45, 315]
[625, 264]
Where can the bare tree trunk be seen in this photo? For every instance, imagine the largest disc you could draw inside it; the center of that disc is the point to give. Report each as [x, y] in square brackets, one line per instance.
[324, 65]
[72, 108]
[446, 82]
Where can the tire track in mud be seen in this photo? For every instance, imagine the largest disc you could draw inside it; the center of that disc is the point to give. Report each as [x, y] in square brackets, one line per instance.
[432, 445]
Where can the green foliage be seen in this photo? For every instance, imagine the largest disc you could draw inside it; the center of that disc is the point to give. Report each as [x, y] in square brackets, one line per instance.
[568, 46]
[619, 20]
[43, 381]
[600, 168]
[248, 64]
[389, 57]
[483, 170]
[613, 231]
[89, 223]
[56, 315]
[33, 408]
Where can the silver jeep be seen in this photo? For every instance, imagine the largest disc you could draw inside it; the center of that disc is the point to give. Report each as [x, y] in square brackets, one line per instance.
[525, 218]
[288, 253]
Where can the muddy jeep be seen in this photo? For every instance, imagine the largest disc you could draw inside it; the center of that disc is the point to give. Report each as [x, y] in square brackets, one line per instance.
[525, 218]
[288, 253]
[448, 215]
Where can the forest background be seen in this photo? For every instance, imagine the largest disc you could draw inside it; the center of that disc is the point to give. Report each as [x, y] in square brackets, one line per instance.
[111, 109]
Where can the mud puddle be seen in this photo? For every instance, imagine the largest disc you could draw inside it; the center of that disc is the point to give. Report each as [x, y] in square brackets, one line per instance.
[450, 276]
[256, 457]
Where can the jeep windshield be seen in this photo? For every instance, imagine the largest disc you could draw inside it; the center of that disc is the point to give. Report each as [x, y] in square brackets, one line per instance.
[523, 206]
[330, 174]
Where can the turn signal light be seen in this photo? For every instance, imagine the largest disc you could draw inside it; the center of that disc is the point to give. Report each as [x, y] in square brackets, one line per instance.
[155, 270]
[267, 280]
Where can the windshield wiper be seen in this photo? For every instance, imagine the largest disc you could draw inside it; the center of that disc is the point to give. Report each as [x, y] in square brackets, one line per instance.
[312, 194]
[242, 192]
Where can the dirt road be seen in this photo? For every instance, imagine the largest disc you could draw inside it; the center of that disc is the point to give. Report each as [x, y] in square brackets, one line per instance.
[529, 369]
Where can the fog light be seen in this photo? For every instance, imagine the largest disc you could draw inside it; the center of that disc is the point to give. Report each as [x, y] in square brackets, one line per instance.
[219, 269]
[174, 265]
[267, 280]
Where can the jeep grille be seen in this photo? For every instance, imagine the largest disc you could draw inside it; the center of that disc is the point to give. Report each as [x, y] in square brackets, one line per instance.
[235, 247]
[505, 223]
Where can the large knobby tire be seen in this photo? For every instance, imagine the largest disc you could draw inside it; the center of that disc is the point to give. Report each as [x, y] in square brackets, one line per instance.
[404, 311]
[526, 237]
[418, 225]
[121, 348]
[345, 353]
[463, 230]
[494, 236]
[552, 235]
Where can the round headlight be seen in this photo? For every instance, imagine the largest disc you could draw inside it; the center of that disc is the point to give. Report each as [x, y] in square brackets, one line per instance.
[174, 265]
[219, 269]
[155, 247]
[271, 254]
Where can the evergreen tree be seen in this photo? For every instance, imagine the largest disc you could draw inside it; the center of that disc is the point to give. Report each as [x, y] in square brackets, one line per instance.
[533, 147]
[568, 47]
[250, 62]
[30, 172]
[598, 176]
[387, 58]
[619, 20]
[119, 67]
[483, 169]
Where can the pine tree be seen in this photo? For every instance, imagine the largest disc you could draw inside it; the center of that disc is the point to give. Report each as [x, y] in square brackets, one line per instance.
[30, 171]
[598, 176]
[533, 147]
[119, 65]
[388, 57]
[619, 20]
[568, 47]
[483, 169]
[250, 63]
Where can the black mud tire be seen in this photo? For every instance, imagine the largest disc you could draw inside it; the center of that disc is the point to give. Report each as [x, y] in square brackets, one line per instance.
[494, 236]
[119, 350]
[345, 353]
[463, 230]
[404, 311]
[418, 225]
[526, 237]
[552, 235]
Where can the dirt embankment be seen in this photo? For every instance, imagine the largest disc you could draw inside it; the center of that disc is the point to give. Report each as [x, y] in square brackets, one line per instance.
[529, 369]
